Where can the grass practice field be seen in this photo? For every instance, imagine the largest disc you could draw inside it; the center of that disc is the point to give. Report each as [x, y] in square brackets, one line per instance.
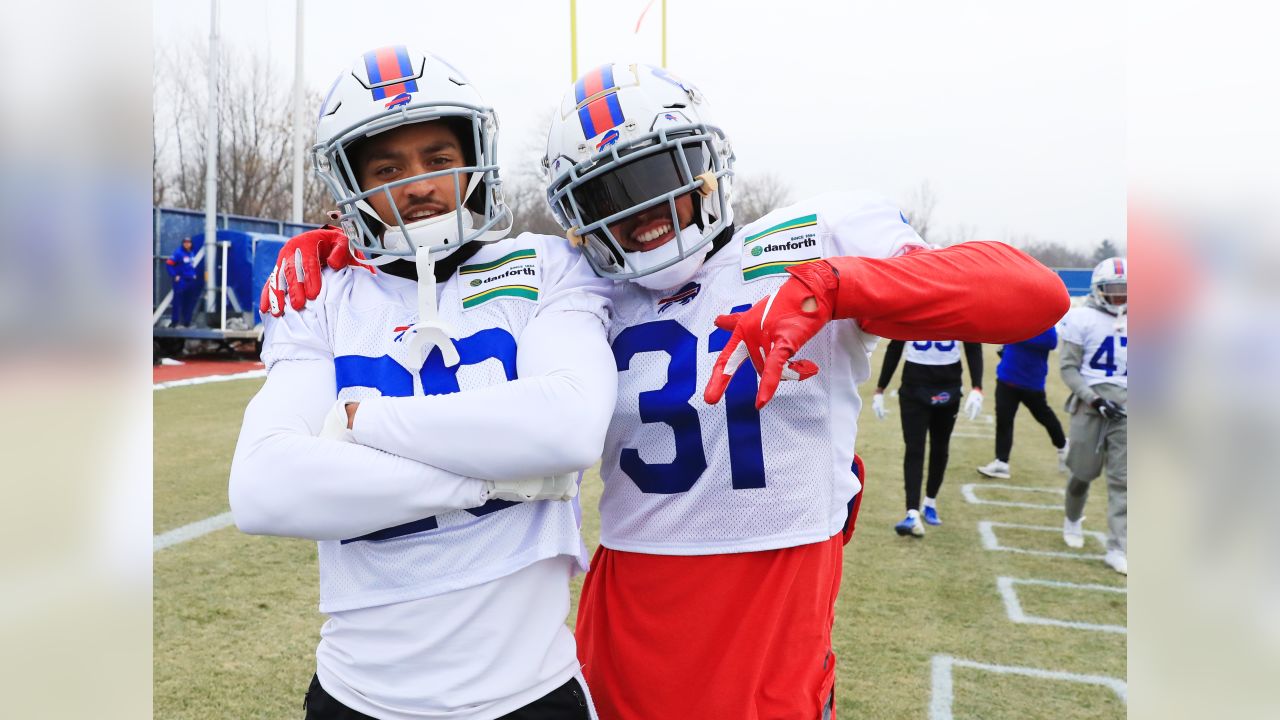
[922, 627]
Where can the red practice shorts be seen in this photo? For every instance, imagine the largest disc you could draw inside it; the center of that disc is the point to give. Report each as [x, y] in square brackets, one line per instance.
[745, 636]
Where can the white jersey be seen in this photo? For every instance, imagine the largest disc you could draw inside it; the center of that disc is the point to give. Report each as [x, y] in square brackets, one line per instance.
[685, 478]
[359, 322]
[933, 352]
[1105, 340]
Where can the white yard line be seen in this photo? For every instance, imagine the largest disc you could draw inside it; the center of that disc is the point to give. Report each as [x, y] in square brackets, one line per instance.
[1013, 608]
[944, 689]
[970, 493]
[190, 532]
[986, 529]
[209, 379]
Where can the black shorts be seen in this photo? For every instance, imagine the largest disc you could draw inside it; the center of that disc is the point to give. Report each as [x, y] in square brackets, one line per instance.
[567, 702]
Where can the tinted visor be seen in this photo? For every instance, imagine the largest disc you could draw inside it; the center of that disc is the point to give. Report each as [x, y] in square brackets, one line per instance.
[638, 181]
[1115, 293]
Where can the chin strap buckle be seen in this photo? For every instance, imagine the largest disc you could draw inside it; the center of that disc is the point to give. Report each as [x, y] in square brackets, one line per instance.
[574, 238]
[709, 184]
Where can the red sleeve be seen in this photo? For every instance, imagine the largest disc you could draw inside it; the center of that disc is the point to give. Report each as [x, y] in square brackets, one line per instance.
[986, 292]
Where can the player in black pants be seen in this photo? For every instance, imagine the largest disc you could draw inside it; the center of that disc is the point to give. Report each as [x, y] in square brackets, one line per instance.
[929, 399]
[1020, 380]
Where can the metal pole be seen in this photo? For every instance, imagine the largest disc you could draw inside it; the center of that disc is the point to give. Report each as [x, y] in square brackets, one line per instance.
[224, 245]
[211, 161]
[573, 39]
[664, 33]
[297, 114]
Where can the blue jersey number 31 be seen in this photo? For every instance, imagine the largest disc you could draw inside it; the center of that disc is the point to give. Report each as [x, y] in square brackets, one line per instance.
[670, 405]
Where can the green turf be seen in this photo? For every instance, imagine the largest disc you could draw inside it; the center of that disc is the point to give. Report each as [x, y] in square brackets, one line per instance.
[236, 621]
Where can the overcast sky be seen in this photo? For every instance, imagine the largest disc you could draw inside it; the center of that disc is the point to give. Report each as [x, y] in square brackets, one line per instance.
[1014, 111]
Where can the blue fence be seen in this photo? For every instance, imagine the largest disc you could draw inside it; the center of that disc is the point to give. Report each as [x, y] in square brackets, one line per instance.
[246, 234]
[1076, 280]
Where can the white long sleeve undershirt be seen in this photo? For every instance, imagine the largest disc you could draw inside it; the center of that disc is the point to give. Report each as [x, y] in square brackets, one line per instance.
[286, 481]
[550, 420]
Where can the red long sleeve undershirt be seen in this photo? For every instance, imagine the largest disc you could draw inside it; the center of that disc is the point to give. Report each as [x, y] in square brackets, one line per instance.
[985, 292]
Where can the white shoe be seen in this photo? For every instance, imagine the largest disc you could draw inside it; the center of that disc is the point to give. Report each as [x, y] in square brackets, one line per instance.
[1116, 560]
[995, 469]
[1073, 533]
[1062, 457]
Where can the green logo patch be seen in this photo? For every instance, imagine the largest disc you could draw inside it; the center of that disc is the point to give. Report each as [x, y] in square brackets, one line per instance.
[514, 275]
[772, 250]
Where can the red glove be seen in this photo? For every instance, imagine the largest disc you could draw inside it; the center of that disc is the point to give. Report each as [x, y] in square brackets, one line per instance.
[771, 331]
[297, 270]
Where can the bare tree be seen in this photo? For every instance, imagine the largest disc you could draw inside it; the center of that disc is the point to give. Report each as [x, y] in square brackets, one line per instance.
[962, 232]
[918, 208]
[255, 135]
[1052, 254]
[756, 195]
[1105, 250]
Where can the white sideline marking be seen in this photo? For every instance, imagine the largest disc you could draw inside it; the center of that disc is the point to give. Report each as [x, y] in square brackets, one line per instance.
[990, 542]
[982, 436]
[970, 494]
[190, 532]
[1013, 608]
[944, 691]
[209, 379]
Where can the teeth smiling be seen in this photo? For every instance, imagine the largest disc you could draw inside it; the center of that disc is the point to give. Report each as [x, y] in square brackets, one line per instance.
[655, 233]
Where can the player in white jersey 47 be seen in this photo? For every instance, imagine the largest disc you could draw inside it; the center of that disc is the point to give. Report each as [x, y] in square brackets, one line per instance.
[412, 417]
[723, 523]
[1095, 366]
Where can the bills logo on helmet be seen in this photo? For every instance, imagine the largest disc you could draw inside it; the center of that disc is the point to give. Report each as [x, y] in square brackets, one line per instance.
[608, 139]
[397, 101]
[683, 296]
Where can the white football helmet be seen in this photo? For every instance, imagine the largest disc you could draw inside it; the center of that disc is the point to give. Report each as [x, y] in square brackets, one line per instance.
[394, 86]
[628, 138]
[1109, 285]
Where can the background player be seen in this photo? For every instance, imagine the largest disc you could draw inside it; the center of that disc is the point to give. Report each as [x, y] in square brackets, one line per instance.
[930, 400]
[432, 610]
[1095, 366]
[1020, 380]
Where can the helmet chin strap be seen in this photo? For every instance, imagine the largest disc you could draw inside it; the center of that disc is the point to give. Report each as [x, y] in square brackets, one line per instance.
[430, 331]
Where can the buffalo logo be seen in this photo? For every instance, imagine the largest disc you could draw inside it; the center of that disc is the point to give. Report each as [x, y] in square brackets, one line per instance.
[397, 101]
[941, 398]
[608, 139]
[669, 116]
[683, 296]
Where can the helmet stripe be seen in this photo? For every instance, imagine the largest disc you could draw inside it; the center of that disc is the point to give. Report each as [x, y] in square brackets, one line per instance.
[389, 63]
[1119, 266]
[603, 112]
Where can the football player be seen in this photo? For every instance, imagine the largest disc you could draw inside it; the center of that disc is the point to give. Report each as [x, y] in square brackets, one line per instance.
[723, 523]
[1095, 366]
[413, 418]
[1020, 380]
[930, 401]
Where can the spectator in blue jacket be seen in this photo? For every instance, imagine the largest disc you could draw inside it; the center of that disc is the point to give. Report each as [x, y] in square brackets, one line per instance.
[185, 272]
[1020, 380]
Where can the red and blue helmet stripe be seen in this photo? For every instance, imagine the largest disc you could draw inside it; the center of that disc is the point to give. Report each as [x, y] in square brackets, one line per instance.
[597, 98]
[389, 68]
[1118, 266]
